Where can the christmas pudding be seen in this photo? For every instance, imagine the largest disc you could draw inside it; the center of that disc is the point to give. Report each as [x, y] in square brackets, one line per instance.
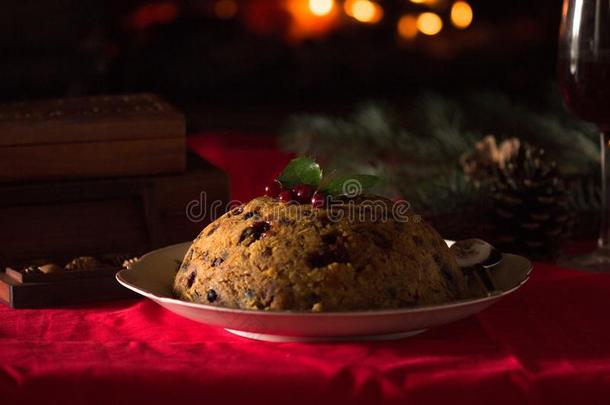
[327, 250]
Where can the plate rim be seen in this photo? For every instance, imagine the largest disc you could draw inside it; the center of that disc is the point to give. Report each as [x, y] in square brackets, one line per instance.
[372, 312]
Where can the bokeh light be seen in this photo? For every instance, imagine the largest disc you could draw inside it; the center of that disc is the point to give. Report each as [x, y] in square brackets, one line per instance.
[225, 9]
[430, 3]
[348, 6]
[461, 14]
[407, 26]
[364, 11]
[321, 7]
[305, 23]
[429, 23]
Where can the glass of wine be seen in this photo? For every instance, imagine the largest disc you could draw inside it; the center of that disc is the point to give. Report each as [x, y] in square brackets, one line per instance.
[584, 79]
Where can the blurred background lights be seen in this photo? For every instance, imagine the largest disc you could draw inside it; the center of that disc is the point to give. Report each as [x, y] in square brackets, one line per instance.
[348, 6]
[461, 14]
[310, 18]
[407, 27]
[430, 3]
[429, 23]
[225, 9]
[364, 11]
[321, 7]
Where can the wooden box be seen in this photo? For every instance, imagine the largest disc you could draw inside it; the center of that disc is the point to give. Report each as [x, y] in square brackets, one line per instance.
[58, 221]
[101, 136]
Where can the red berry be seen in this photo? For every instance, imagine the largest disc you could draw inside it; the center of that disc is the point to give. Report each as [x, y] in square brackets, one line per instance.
[303, 193]
[273, 189]
[285, 196]
[318, 200]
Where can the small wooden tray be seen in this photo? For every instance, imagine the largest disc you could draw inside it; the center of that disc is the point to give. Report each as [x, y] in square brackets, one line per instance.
[66, 288]
[60, 276]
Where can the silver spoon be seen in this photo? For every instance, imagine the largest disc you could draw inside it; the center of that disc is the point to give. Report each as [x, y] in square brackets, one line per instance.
[478, 256]
[472, 252]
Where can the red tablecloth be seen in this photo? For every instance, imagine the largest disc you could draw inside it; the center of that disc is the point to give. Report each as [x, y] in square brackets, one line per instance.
[250, 160]
[548, 343]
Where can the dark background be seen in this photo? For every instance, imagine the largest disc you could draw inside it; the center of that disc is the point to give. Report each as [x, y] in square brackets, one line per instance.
[249, 70]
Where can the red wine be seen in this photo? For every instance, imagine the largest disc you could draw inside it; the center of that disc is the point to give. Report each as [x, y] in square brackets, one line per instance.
[585, 87]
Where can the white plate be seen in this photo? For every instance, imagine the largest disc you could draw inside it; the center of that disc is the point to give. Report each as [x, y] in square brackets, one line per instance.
[152, 276]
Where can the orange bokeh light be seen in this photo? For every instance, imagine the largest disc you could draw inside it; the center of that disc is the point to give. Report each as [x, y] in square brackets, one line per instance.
[429, 23]
[461, 14]
[225, 9]
[364, 11]
[307, 19]
[407, 26]
[154, 13]
[321, 7]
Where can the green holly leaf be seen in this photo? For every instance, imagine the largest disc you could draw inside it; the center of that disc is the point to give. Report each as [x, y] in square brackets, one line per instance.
[301, 170]
[351, 186]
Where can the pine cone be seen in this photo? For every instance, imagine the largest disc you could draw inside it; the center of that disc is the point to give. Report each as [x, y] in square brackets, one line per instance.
[530, 204]
[487, 157]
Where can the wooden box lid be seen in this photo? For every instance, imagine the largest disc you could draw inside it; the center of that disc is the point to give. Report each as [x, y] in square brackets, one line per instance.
[89, 119]
[90, 137]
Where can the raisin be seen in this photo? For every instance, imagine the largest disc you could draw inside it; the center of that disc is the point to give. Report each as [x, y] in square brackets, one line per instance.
[261, 228]
[334, 252]
[213, 229]
[212, 296]
[190, 280]
[245, 234]
[330, 238]
[254, 232]
[314, 298]
[250, 214]
[238, 210]
[217, 262]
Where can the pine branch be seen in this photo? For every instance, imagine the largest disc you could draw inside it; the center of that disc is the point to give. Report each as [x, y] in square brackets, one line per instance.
[420, 158]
